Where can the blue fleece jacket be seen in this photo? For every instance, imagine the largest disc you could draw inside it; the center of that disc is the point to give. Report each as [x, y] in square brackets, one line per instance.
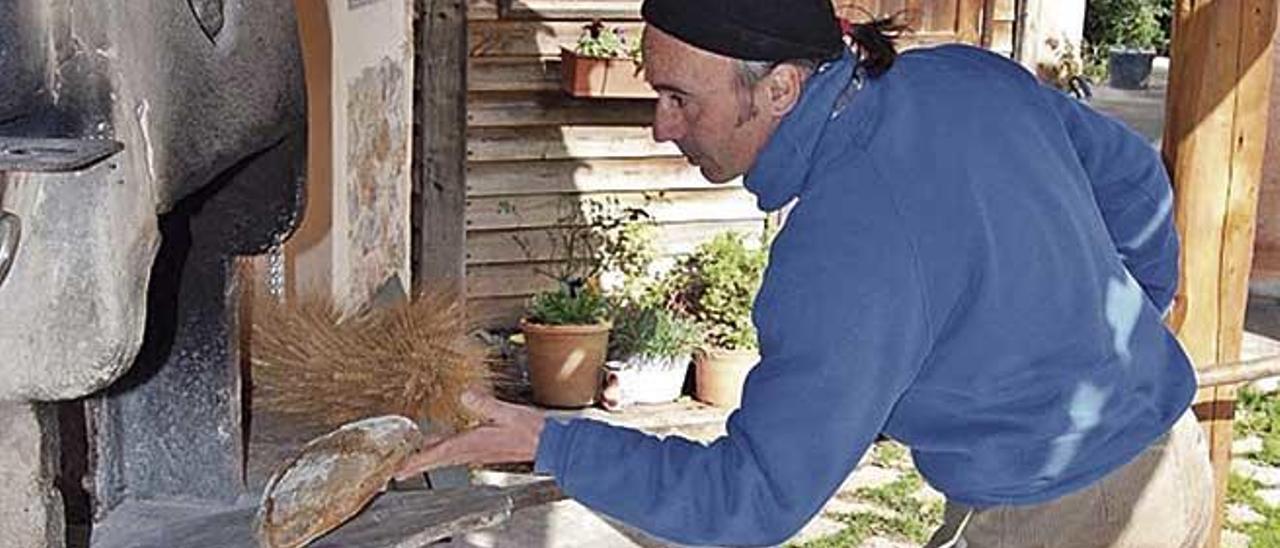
[975, 265]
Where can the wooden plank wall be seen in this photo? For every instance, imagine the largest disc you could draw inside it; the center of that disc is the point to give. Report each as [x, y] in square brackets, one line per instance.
[529, 147]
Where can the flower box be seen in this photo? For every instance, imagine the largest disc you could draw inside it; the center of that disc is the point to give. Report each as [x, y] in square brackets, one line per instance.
[598, 77]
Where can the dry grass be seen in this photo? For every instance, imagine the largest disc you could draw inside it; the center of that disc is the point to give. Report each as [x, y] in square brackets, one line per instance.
[313, 367]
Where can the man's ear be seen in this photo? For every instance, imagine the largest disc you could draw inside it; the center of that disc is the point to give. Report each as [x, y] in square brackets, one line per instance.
[783, 87]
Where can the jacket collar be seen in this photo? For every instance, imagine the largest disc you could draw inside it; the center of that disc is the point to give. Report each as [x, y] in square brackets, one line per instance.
[781, 170]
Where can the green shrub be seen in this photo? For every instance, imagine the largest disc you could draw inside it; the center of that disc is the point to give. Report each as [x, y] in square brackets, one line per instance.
[647, 331]
[568, 305]
[716, 286]
[1137, 24]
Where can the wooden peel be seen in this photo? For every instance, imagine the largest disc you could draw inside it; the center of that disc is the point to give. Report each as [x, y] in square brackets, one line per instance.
[332, 479]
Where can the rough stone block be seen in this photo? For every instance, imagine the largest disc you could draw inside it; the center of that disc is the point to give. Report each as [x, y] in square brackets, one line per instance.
[31, 508]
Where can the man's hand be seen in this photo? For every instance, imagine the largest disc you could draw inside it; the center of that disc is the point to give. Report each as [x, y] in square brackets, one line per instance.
[510, 435]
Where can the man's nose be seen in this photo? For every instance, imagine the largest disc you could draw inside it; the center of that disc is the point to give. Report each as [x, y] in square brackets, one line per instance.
[667, 125]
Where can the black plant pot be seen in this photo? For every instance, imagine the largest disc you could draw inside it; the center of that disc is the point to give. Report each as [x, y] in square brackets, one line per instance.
[1130, 69]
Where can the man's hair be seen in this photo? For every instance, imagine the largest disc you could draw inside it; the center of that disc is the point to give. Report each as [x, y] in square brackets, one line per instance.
[751, 73]
[874, 40]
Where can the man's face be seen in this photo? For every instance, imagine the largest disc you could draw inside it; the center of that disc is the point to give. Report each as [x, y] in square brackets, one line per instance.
[703, 107]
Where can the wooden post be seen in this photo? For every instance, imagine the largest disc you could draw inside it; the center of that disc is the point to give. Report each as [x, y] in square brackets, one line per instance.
[440, 153]
[1215, 133]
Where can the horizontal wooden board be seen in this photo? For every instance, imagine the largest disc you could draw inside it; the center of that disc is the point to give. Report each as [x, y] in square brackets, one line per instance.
[480, 10]
[564, 142]
[505, 213]
[506, 38]
[520, 109]
[495, 313]
[513, 74]
[567, 176]
[500, 247]
[575, 9]
[508, 280]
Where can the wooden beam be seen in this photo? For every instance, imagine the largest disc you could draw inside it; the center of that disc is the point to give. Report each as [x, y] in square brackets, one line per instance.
[490, 179]
[581, 10]
[682, 206]
[564, 143]
[514, 74]
[554, 108]
[505, 38]
[1240, 372]
[440, 155]
[1215, 133]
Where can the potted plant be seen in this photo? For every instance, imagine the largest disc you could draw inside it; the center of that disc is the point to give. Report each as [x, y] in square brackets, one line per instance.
[566, 328]
[604, 63]
[566, 333]
[716, 285]
[650, 349]
[1130, 33]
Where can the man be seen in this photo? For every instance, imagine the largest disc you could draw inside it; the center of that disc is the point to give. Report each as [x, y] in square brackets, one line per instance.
[974, 265]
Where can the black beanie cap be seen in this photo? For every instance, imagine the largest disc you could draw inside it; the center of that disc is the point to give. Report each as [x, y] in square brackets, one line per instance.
[751, 30]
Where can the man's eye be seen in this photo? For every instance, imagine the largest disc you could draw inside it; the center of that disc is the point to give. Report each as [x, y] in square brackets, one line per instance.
[675, 100]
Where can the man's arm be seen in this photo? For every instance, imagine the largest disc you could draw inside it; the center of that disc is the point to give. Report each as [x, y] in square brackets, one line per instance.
[1132, 190]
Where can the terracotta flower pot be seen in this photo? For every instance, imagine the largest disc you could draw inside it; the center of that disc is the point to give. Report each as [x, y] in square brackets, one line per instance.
[598, 77]
[720, 374]
[566, 362]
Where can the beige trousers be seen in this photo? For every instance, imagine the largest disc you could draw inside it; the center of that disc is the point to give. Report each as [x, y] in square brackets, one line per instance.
[1162, 499]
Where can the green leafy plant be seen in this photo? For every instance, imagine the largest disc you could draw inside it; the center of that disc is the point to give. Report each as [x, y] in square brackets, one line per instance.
[578, 248]
[568, 305]
[1134, 24]
[599, 41]
[1126, 24]
[627, 258]
[716, 286]
[648, 331]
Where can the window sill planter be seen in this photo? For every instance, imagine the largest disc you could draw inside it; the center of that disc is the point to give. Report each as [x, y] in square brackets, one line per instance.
[596, 77]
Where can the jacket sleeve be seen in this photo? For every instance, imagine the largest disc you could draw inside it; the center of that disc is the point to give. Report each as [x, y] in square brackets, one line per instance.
[1133, 192]
[841, 321]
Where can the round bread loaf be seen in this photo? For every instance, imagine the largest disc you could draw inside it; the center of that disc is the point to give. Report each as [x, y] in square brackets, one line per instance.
[332, 479]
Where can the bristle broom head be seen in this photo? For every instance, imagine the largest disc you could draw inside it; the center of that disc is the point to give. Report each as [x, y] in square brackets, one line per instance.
[313, 367]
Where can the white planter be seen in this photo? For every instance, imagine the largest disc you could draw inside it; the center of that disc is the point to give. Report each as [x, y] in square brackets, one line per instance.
[647, 380]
